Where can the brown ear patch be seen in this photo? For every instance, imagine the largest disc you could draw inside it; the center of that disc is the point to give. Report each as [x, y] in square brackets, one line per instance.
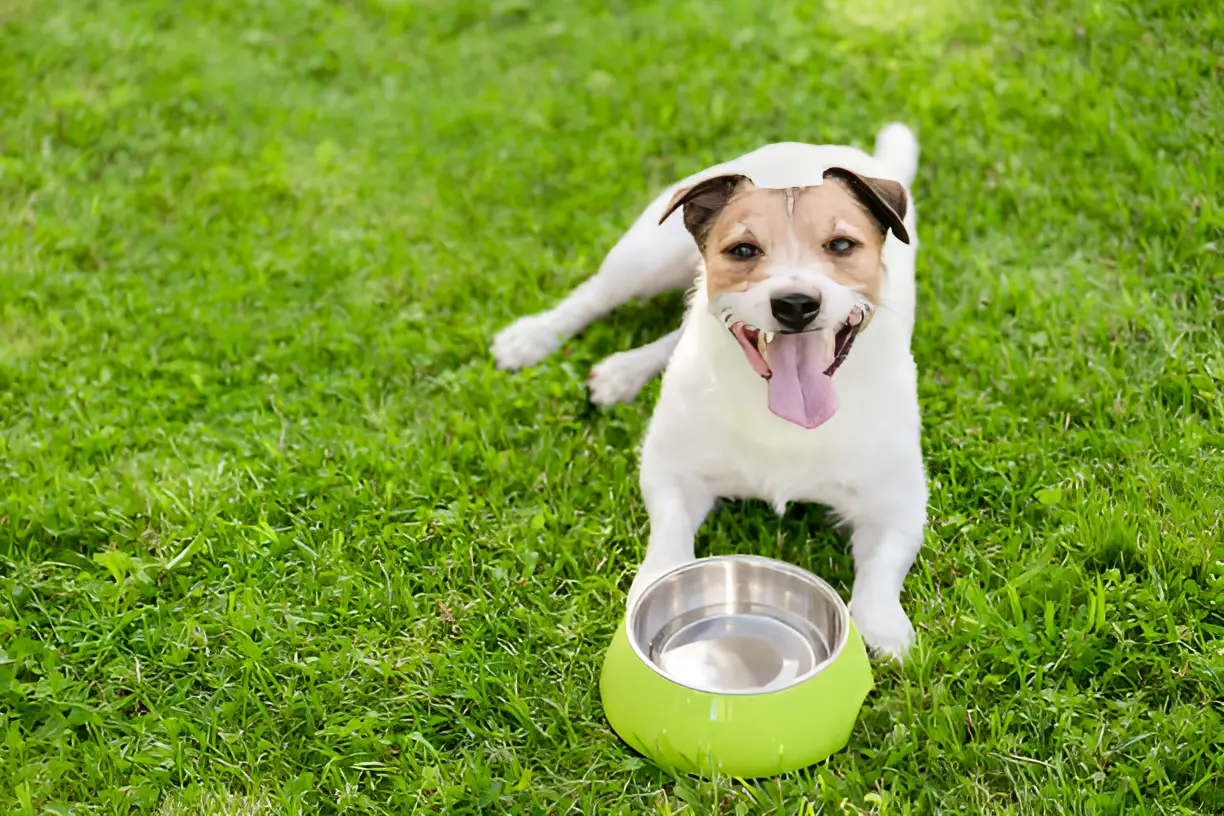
[885, 199]
[702, 202]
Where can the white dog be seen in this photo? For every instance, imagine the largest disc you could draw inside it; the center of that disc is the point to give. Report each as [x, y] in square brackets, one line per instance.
[804, 263]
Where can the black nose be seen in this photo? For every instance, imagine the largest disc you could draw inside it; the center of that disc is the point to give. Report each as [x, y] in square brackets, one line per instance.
[795, 311]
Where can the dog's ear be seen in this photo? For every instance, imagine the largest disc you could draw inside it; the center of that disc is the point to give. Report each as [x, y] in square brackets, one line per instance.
[886, 199]
[702, 203]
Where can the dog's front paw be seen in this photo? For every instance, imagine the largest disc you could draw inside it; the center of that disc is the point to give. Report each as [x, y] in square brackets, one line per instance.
[885, 627]
[525, 342]
[619, 378]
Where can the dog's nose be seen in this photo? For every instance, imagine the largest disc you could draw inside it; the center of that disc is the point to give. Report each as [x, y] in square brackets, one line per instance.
[795, 311]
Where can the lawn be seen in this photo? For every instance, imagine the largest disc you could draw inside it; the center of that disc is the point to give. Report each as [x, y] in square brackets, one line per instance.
[276, 536]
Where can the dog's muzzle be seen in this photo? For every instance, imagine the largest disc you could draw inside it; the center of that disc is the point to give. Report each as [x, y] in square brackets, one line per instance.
[799, 365]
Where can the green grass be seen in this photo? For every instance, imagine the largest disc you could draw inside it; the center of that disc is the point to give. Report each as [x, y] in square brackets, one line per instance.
[275, 536]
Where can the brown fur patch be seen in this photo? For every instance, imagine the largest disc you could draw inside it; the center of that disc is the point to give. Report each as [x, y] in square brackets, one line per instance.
[756, 217]
[800, 238]
[831, 211]
[885, 199]
[703, 202]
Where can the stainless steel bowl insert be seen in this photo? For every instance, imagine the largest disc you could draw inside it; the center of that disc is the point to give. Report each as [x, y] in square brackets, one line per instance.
[738, 625]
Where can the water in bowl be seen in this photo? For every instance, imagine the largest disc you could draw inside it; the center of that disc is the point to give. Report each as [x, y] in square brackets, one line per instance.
[739, 647]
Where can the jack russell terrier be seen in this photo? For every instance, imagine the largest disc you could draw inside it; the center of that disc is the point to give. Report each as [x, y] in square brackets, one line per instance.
[791, 377]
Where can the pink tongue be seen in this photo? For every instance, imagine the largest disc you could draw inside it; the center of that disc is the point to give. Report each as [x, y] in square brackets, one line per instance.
[799, 391]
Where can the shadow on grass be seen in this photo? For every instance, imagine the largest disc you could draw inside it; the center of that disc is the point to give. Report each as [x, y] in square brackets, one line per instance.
[802, 536]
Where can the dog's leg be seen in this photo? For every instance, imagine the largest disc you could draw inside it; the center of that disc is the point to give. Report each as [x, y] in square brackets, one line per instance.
[649, 259]
[887, 535]
[620, 377]
[677, 505]
[882, 558]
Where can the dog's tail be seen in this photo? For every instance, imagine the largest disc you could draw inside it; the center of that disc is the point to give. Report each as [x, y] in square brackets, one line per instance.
[897, 147]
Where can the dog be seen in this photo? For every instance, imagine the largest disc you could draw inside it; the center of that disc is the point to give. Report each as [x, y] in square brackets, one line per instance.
[791, 376]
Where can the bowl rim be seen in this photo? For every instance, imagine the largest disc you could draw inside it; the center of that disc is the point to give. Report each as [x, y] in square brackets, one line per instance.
[818, 583]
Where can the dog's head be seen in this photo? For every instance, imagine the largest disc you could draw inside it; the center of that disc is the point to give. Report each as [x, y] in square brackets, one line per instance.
[794, 274]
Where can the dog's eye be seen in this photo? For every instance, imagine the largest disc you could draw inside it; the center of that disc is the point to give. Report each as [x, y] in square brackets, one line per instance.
[840, 246]
[744, 251]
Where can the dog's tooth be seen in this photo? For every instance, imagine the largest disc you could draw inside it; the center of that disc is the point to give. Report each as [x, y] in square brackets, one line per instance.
[761, 341]
[769, 338]
[830, 346]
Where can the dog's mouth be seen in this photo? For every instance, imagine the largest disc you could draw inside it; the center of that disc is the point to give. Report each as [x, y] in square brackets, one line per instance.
[799, 366]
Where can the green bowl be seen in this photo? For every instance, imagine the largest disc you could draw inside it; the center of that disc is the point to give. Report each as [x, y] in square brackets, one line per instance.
[736, 665]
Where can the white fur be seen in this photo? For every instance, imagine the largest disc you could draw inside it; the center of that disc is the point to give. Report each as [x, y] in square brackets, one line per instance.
[620, 377]
[712, 434]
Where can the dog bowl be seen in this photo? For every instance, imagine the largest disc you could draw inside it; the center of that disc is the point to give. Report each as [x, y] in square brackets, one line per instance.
[739, 665]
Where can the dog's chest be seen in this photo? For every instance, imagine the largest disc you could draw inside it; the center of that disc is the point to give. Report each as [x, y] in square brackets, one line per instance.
[713, 421]
[780, 472]
[759, 459]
